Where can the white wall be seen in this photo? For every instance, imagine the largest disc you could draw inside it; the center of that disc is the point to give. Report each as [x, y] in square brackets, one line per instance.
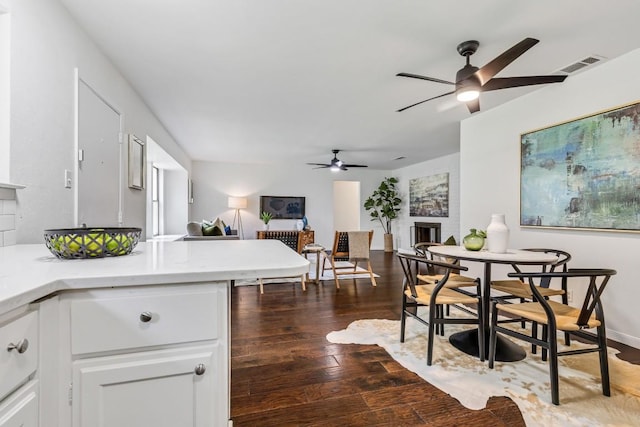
[214, 182]
[46, 46]
[489, 180]
[5, 97]
[450, 225]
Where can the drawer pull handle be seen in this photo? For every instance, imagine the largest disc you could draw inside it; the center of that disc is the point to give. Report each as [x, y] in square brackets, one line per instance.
[146, 316]
[200, 368]
[21, 347]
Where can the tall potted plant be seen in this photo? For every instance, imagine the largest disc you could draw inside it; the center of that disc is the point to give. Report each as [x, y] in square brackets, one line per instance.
[383, 205]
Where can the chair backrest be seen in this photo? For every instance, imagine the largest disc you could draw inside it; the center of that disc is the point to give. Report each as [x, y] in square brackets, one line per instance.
[340, 250]
[411, 265]
[560, 265]
[597, 278]
[563, 258]
[422, 248]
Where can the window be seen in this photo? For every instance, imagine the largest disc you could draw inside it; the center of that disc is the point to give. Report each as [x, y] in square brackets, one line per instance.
[155, 200]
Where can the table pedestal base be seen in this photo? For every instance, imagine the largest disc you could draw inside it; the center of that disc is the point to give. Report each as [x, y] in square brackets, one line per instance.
[506, 350]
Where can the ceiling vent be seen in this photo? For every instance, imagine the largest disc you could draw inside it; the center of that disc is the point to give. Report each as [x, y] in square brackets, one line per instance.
[582, 64]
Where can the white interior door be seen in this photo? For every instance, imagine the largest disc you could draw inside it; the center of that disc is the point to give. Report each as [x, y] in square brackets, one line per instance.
[99, 154]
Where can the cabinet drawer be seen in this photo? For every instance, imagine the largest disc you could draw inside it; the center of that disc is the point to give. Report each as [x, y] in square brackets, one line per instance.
[21, 407]
[17, 364]
[147, 318]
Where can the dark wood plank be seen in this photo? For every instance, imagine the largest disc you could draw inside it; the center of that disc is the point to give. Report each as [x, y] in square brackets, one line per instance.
[285, 372]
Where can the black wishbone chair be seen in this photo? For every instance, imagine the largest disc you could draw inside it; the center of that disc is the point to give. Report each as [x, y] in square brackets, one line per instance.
[435, 296]
[554, 316]
[517, 289]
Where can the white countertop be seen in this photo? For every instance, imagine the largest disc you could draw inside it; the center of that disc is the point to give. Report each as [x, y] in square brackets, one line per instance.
[30, 272]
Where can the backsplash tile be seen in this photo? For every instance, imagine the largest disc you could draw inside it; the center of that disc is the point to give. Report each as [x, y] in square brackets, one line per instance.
[7, 222]
[7, 216]
[9, 238]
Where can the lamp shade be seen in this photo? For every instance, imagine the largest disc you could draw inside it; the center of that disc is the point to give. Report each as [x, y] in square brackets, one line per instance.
[237, 202]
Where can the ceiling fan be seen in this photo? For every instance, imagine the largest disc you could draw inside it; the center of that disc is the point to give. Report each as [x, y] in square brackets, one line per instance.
[470, 80]
[336, 164]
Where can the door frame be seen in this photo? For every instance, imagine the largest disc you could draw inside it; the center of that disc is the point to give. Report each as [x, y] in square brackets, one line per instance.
[76, 144]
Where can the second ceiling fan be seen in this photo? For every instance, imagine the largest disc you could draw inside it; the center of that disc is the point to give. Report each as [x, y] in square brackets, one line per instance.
[336, 164]
[470, 80]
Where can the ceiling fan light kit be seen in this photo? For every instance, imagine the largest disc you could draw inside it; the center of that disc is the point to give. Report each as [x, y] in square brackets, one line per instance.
[471, 80]
[336, 164]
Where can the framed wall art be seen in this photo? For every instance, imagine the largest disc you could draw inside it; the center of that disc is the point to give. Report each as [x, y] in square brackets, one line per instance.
[583, 174]
[429, 196]
[137, 163]
[283, 207]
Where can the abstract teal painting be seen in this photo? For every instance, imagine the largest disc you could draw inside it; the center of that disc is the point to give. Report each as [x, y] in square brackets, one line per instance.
[583, 174]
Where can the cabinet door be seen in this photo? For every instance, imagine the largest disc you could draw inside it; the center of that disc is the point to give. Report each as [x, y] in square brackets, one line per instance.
[155, 388]
[20, 409]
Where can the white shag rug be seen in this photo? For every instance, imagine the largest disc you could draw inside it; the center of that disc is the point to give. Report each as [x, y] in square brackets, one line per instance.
[526, 382]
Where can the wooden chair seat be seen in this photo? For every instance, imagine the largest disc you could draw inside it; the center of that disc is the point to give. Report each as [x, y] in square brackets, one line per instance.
[566, 316]
[520, 289]
[455, 280]
[445, 296]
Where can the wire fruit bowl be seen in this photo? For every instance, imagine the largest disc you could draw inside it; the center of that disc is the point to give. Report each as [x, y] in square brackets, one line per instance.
[83, 243]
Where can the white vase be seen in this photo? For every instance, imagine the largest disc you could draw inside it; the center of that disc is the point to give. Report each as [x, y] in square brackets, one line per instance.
[497, 234]
[265, 227]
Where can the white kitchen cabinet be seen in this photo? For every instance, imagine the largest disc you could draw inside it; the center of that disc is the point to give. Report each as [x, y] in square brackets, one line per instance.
[164, 388]
[152, 355]
[20, 409]
[18, 368]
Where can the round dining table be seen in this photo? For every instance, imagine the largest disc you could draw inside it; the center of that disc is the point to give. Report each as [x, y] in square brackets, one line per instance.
[467, 341]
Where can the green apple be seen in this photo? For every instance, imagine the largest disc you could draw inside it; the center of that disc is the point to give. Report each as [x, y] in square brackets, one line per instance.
[69, 243]
[94, 242]
[118, 244]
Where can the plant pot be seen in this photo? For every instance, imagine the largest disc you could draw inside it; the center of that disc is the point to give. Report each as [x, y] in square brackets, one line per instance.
[388, 242]
[265, 227]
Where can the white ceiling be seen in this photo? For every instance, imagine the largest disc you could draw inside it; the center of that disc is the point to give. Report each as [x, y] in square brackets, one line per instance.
[288, 80]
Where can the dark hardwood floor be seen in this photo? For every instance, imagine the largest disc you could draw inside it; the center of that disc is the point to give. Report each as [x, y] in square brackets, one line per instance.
[285, 373]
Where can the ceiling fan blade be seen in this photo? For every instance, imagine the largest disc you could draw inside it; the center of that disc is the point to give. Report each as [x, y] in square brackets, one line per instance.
[422, 102]
[474, 106]
[507, 82]
[492, 68]
[319, 164]
[355, 166]
[431, 79]
[323, 167]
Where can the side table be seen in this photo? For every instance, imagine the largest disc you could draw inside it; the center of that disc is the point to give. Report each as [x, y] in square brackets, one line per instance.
[317, 249]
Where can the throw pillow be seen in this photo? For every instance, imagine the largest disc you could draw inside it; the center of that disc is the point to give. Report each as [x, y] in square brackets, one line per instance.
[215, 228]
[451, 241]
[194, 228]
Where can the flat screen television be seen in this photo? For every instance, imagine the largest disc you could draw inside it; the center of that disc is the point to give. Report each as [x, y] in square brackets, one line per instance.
[283, 207]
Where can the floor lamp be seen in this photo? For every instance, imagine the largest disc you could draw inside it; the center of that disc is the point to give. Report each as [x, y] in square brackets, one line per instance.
[238, 203]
